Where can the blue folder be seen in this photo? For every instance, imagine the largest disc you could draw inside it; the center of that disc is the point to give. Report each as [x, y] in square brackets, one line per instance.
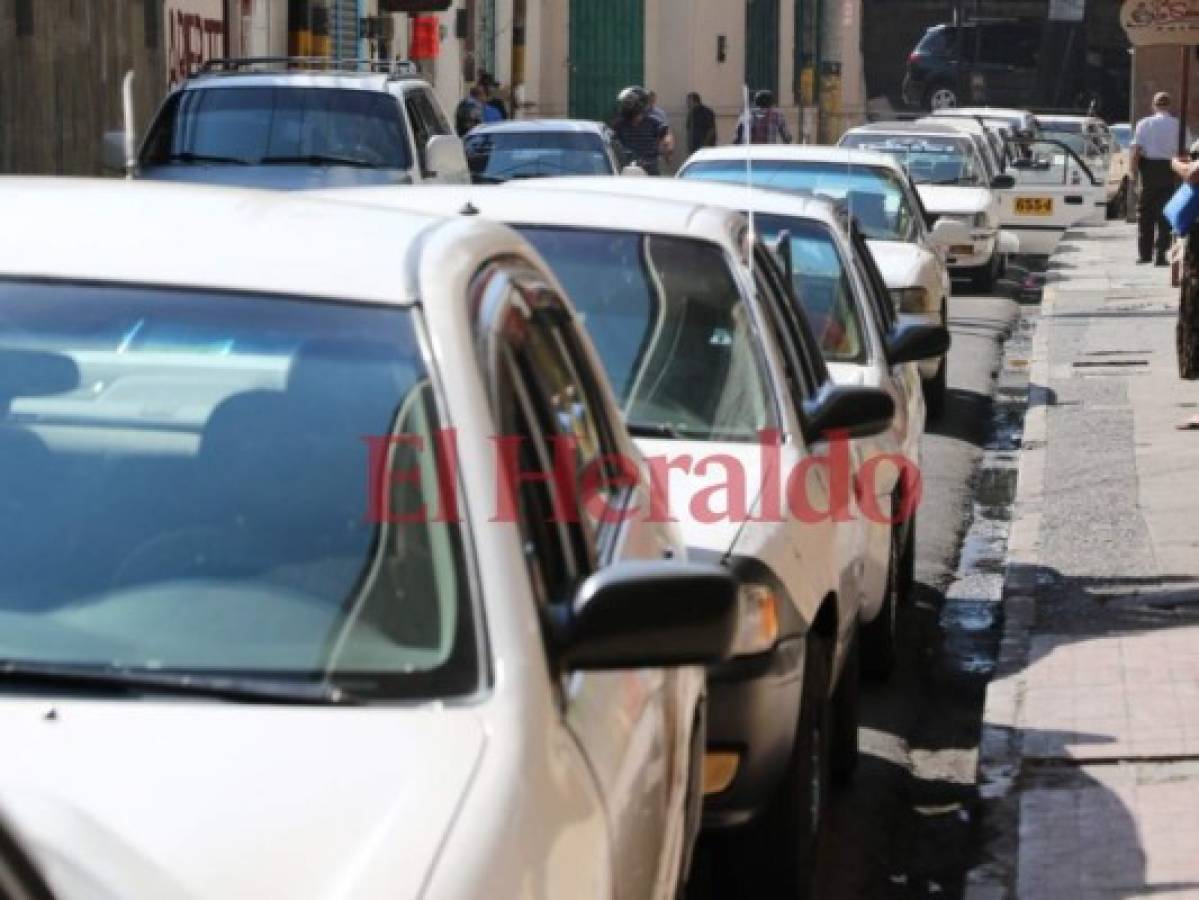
[1183, 209]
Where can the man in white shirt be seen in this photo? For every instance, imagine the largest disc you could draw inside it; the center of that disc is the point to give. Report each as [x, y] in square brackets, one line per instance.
[1154, 144]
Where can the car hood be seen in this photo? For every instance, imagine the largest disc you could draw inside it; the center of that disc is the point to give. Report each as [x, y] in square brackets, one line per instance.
[690, 493]
[277, 178]
[941, 198]
[899, 263]
[196, 800]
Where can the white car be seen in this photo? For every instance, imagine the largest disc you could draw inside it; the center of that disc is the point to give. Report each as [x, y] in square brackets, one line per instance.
[881, 196]
[953, 182]
[273, 624]
[1092, 141]
[295, 124]
[706, 369]
[864, 344]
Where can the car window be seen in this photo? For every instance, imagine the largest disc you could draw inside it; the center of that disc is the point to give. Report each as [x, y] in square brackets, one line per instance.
[872, 194]
[823, 286]
[676, 339]
[882, 307]
[928, 159]
[938, 42]
[1010, 44]
[174, 506]
[497, 156]
[804, 375]
[278, 125]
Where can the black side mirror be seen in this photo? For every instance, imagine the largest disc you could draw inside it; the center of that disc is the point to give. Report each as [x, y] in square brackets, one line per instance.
[640, 615]
[1003, 182]
[859, 412]
[914, 341]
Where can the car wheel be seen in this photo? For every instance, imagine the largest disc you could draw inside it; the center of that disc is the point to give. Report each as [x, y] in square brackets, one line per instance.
[777, 853]
[941, 96]
[843, 760]
[880, 637]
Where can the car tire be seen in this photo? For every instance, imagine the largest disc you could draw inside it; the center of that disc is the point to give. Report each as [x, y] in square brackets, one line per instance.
[775, 855]
[941, 96]
[843, 756]
[880, 638]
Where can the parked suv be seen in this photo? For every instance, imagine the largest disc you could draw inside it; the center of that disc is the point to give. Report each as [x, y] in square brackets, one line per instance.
[997, 62]
[295, 123]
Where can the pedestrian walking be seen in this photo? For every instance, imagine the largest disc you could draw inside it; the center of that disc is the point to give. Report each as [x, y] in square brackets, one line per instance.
[764, 124]
[469, 112]
[644, 136]
[1154, 146]
[701, 124]
[494, 108]
[1187, 329]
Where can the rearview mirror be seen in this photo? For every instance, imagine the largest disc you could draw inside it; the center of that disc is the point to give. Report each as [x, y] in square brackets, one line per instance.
[858, 412]
[949, 232]
[1003, 182]
[112, 152]
[639, 615]
[915, 341]
[445, 157]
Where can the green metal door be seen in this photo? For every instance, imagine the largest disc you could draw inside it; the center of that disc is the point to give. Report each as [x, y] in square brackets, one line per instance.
[762, 45]
[607, 53]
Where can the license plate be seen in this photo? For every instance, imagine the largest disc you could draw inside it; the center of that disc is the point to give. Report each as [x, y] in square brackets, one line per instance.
[961, 250]
[1034, 206]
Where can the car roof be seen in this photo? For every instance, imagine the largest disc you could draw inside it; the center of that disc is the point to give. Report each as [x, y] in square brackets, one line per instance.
[798, 153]
[708, 193]
[904, 127]
[529, 203]
[574, 126]
[1070, 120]
[341, 80]
[185, 235]
[956, 123]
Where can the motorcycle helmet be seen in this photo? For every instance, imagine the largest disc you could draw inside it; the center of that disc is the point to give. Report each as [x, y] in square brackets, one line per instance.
[633, 100]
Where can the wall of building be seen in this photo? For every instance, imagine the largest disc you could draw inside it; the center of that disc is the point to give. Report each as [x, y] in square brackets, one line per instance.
[60, 83]
[1160, 69]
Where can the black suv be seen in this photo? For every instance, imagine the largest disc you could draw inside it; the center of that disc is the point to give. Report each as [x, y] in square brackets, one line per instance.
[996, 62]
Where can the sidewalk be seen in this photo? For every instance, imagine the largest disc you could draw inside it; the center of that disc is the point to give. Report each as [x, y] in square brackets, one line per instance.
[1090, 755]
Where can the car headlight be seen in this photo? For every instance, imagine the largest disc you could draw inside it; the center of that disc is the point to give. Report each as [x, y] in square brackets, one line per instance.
[910, 299]
[758, 622]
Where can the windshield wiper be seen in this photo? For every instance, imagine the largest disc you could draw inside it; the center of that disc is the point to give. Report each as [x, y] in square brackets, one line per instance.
[317, 159]
[655, 430]
[206, 158]
[131, 681]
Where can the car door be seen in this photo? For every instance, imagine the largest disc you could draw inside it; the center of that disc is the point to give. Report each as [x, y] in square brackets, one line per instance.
[1054, 190]
[624, 722]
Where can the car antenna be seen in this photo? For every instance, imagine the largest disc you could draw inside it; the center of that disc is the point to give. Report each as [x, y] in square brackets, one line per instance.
[747, 136]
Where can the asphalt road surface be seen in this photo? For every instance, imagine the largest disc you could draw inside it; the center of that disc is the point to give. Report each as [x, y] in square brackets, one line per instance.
[907, 825]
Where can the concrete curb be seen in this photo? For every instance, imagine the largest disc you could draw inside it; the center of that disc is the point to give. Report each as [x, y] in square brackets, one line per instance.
[1000, 747]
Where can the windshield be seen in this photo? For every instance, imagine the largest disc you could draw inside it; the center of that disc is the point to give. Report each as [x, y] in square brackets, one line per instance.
[671, 328]
[938, 41]
[192, 483]
[279, 125]
[823, 286]
[874, 195]
[929, 160]
[503, 156]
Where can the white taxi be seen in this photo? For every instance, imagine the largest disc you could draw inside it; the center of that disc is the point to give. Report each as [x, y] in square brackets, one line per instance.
[273, 624]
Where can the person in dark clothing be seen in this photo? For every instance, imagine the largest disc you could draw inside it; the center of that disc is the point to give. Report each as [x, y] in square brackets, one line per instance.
[469, 113]
[701, 124]
[645, 137]
[1155, 143]
[495, 109]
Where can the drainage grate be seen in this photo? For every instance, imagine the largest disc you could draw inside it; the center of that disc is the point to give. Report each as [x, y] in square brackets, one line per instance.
[1109, 363]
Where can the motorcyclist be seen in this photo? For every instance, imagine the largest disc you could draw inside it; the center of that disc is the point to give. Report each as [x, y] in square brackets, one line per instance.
[646, 138]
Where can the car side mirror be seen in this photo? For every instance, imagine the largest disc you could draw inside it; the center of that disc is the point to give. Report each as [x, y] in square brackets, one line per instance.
[1003, 182]
[640, 615]
[911, 342]
[949, 232]
[632, 170]
[445, 157]
[112, 152]
[857, 412]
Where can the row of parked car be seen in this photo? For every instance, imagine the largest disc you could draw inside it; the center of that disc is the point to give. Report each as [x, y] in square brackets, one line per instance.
[463, 540]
